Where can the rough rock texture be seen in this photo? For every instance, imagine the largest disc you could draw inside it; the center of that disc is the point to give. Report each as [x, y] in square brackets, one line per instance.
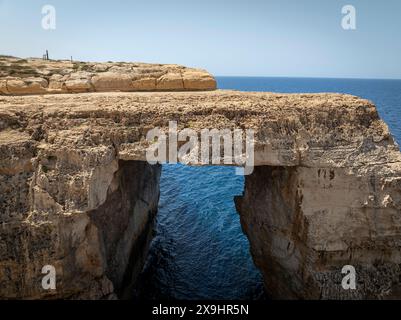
[97, 246]
[327, 191]
[37, 76]
[311, 222]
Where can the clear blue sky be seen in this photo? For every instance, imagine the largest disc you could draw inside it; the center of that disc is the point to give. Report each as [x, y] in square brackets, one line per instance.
[301, 38]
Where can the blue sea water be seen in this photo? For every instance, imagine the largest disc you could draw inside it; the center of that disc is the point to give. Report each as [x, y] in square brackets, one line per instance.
[199, 250]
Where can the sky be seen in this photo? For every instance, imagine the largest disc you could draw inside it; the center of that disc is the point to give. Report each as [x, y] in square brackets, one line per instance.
[294, 38]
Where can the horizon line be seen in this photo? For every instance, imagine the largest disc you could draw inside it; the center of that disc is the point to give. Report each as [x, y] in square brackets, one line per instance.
[221, 76]
[305, 77]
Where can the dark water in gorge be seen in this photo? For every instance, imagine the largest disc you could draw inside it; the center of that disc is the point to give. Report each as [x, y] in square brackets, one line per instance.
[199, 251]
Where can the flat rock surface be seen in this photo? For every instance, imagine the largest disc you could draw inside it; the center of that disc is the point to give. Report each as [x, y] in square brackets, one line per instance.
[290, 129]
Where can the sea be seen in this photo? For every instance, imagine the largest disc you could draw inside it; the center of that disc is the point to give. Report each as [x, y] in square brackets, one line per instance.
[199, 250]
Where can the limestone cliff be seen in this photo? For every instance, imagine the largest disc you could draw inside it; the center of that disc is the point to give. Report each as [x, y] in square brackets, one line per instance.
[76, 191]
[37, 76]
[97, 249]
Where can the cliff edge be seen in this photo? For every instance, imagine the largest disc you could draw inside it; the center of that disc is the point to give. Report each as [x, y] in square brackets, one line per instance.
[37, 76]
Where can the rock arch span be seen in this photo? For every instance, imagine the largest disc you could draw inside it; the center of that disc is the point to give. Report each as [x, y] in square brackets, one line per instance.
[77, 193]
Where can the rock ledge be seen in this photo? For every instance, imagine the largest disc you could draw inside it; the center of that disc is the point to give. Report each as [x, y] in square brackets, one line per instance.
[37, 76]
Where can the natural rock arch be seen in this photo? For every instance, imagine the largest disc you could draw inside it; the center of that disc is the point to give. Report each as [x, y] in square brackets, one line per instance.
[77, 192]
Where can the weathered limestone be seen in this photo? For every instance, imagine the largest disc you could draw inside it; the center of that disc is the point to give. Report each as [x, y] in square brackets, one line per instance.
[26, 86]
[36, 76]
[76, 192]
[313, 221]
[90, 217]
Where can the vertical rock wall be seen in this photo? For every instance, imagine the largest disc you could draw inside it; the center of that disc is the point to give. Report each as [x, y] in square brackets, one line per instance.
[96, 252]
[305, 224]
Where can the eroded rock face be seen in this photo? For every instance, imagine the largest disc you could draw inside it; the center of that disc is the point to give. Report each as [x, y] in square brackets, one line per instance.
[325, 191]
[37, 76]
[92, 221]
[311, 222]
